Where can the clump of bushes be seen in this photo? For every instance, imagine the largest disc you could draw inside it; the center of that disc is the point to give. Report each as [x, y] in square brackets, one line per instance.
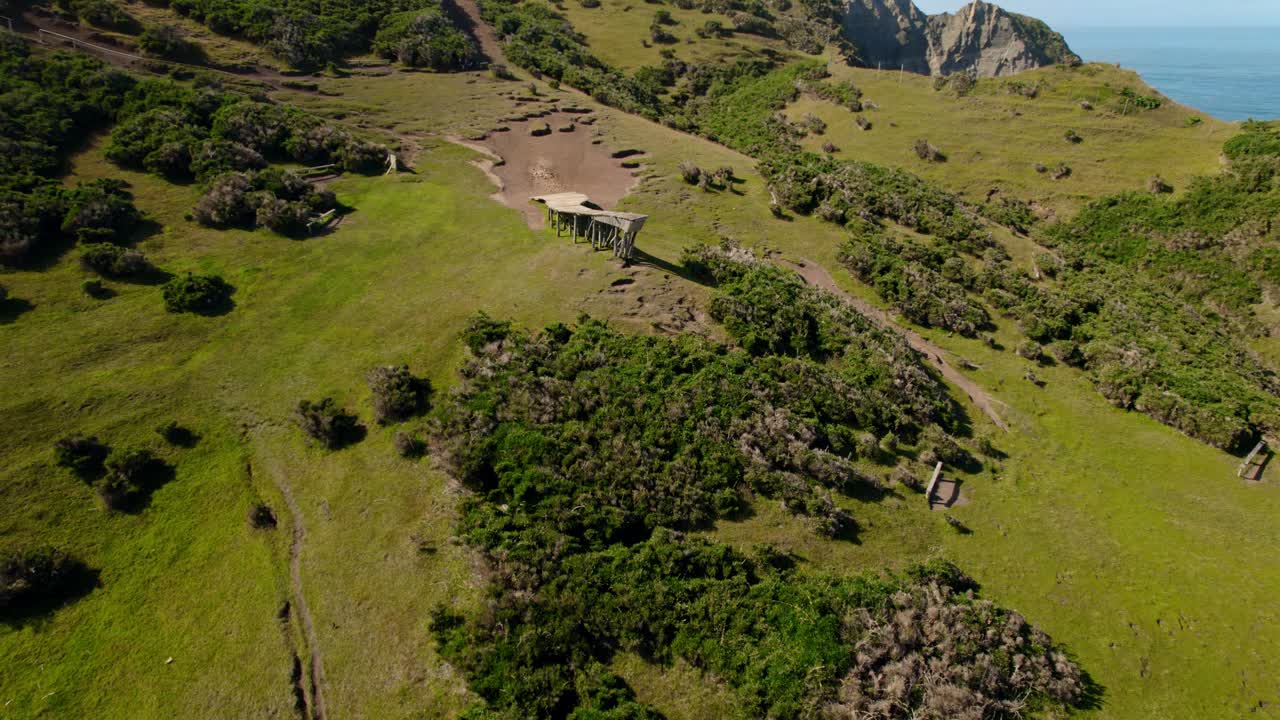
[113, 261]
[1158, 186]
[83, 455]
[281, 201]
[813, 124]
[262, 517]
[1073, 137]
[960, 83]
[168, 41]
[397, 394]
[34, 578]
[408, 445]
[327, 423]
[928, 152]
[426, 38]
[921, 285]
[199, 294]
[689, 172]
[129, 471]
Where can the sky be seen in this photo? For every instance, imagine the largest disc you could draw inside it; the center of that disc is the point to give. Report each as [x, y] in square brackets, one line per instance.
[1064, 14]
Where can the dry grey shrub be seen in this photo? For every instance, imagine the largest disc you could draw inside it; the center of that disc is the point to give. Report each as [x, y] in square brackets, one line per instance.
[933, 654]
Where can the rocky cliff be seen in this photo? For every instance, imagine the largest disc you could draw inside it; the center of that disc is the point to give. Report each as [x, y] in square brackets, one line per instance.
[981, 38]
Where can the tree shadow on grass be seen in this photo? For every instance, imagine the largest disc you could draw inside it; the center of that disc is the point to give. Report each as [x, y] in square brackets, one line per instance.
[642, 258]
[13, 308]
[77, 581]
[155, 475]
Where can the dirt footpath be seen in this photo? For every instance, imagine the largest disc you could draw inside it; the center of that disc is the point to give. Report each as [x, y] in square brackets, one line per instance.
[816, 275]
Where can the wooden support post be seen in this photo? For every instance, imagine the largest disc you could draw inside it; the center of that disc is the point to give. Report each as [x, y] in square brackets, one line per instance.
[1248, 460]
[933, 484]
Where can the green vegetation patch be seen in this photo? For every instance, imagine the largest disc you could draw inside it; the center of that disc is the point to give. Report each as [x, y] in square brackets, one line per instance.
[426, 38]
[586, 451]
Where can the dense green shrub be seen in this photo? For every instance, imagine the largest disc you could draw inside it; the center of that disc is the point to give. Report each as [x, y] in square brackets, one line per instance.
[539, 39]
[397, 394]
[168, 41]
[283, 216]
[229, 202]
[852, 190]
[199, 294]
[102, 13]
[113, 260]
[425, 38]
[129, 471]
[910, 278]
[99, 211]
[305, 34]
[327, 423]
[32, 578]
[81, 454]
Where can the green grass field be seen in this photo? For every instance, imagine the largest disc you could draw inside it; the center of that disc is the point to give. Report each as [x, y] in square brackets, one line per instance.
[994, 138]
[618, 33]
[1135, 546]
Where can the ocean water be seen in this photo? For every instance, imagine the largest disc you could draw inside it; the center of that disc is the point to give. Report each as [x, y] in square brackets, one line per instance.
[1230, 73]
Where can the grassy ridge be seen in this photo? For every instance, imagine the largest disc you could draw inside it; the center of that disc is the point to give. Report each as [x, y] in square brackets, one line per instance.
[996, 137]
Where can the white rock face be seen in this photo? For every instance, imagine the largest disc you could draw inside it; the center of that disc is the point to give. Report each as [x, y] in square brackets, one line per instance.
[981, 38]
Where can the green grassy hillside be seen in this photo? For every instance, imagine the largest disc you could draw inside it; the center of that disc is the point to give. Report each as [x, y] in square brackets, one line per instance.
[1134, 546]
[994, 137]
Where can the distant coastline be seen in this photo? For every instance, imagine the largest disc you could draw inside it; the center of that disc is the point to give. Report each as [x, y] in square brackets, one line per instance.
[1229, 73]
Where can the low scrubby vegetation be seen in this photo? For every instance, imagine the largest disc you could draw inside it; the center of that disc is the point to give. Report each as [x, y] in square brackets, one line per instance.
[121, 476]
[281, 201]
[426, 37]
[586, 453]
[1152, 296]
[327, 423]
[52, 101]
[32, 579]
[199, 294]
[397, 394]
[310, 36]
[114, 261]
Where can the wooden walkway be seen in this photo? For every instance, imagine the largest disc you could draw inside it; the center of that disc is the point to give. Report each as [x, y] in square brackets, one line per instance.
[605, 229]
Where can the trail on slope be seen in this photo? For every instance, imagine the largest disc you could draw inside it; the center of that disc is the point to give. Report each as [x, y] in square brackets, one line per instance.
[818, 276]
[317, 707]
[479, 29]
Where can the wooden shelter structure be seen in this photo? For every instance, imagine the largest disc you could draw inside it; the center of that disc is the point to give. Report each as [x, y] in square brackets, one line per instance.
[605, 229]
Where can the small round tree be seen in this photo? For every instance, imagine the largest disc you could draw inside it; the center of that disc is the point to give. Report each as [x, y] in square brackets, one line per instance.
[200, 294]
[397, 394]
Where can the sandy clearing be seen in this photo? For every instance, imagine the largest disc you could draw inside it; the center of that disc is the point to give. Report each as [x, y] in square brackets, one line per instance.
[523, 165]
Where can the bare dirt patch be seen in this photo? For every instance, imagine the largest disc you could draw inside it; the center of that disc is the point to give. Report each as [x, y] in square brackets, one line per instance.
[524, 165]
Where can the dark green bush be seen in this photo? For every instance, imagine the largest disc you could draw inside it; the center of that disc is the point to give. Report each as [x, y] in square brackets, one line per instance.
[82, 455]
[34, 578]
[113, 260]
[397, 394]
[168, 41]
[128, 474]
[199, 294]
[284, 217]
[229, 202]
[99, 211]
[327, 423]
[425, 38]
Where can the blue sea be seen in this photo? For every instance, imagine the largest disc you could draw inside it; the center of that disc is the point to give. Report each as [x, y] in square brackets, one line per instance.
[1230, 73]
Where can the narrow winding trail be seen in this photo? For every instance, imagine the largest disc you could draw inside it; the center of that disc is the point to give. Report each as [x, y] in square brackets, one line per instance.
[818, 276]
[481, 31]
[316, 707]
